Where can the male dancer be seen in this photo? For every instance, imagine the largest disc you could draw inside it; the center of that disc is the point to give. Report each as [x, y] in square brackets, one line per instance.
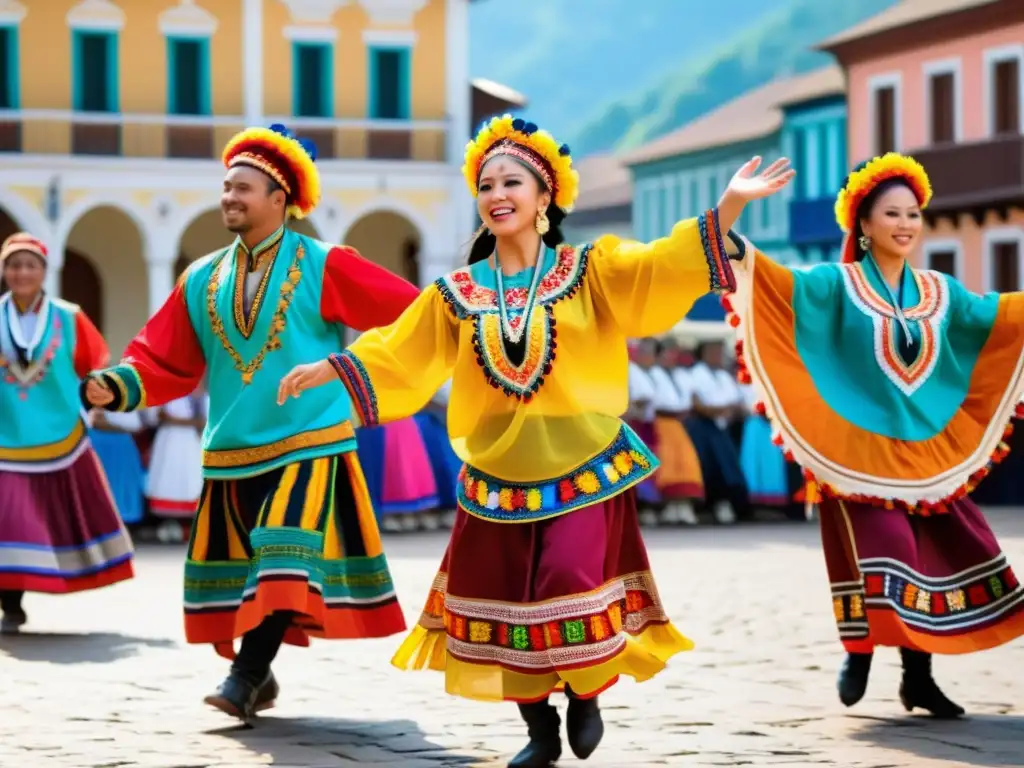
[285, 545]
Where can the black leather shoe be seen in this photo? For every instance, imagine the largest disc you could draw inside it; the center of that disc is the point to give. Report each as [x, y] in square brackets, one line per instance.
[852, 682]
[545, 746]
[919, 690]
[236, 696]
[583, 725]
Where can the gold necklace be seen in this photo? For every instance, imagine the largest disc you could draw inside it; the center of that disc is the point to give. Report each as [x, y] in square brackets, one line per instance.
[277, 322]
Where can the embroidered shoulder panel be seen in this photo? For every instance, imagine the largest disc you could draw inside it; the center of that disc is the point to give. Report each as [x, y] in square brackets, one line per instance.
[929, 314]
[466, 297]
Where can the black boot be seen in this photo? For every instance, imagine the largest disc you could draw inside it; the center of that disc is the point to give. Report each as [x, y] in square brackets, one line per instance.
[918, 689]
[545, 745]
[852, 682]
[13, 617]
[583, 725]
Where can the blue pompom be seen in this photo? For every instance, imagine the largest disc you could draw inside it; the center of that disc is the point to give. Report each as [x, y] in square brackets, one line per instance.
[530, 128]
[564, 150]
[518, 124]
[309, 147]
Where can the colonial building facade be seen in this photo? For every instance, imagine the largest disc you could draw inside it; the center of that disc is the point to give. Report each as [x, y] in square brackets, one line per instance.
[945, 83]
[113, 115]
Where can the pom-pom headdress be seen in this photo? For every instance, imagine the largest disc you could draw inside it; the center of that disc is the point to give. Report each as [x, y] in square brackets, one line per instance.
[288, 160]
[865, 178]
[528, 144]
[22, 241]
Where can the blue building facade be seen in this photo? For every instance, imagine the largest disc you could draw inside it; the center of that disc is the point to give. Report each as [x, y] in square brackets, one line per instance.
[814, 136]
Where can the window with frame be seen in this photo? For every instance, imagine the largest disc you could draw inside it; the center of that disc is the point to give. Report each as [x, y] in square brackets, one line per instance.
[1006, 97]
[313, 80]
[188, 65]
[1006, 266]
[941, 91]
[885, 119]
[95, 71]
[8, 68]
[943, 261]
[389, 99]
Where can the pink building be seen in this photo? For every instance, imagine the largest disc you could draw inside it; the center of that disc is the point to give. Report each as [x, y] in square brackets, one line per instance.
[943, 80]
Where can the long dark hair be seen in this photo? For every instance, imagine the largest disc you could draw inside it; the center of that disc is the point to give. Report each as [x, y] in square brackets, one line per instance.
[484, 242]
[867, 205]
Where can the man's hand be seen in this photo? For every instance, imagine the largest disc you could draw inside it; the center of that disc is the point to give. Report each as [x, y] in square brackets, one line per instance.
[303, 377]
[98, 393]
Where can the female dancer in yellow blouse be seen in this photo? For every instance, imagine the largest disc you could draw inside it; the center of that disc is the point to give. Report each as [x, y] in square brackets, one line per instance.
[546, 584]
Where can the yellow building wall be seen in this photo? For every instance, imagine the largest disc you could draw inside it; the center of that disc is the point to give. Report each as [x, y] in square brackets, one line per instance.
[45, 57]
[227, 68]
[429, 61]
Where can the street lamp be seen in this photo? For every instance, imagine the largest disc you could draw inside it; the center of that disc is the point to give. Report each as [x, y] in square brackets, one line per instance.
[53, 200]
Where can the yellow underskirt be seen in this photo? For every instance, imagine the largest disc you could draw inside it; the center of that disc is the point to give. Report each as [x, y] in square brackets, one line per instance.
[643, 657]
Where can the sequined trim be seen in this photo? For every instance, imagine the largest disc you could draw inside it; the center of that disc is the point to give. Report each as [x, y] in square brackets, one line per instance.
[277, 322]
[952, 604]
[623, 464]
[357, 381]
[246, 457]
[583, 628]
[719, 268]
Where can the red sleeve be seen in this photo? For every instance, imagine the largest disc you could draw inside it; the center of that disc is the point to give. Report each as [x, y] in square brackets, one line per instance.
[91, 350]
[360, 294]
[163, 362]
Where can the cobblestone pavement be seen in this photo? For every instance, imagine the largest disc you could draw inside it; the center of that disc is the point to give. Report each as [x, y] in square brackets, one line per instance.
[105, 679]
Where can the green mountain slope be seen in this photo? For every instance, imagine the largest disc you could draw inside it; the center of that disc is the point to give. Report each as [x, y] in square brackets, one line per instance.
[777, 44]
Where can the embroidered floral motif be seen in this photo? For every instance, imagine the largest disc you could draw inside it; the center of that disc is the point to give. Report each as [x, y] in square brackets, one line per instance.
[523, 380]
[930, 604]
[929, 312]
[720, 274]
[468, 299]
[536, 636]
[277, 321]
[28, 377]
[621, 465]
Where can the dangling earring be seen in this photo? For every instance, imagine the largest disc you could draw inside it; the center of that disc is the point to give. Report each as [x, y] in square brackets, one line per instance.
[864, 242]
[542, 224]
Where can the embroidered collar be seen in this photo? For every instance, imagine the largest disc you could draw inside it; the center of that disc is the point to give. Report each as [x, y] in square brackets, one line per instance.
[33, 306]
[864, 289]
[261, 250]
[473, 290]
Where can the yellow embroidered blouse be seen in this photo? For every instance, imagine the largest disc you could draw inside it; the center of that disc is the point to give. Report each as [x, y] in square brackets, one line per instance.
[543, 436]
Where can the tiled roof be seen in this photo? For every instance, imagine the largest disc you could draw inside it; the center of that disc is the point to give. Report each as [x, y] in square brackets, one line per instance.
[604, 183]
[900, 15]
[755, 114]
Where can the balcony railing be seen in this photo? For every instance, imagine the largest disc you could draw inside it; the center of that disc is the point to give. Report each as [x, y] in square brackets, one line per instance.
[54, 132]
[813, 222]
[977, 175]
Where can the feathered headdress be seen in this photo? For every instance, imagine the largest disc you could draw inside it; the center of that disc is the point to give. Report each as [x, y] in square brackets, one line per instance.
[288, 160]
[524, 141]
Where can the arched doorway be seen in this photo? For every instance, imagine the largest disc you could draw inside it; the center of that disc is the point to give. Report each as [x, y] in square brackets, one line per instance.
[389, 239]
[80, 283]
[106, 242]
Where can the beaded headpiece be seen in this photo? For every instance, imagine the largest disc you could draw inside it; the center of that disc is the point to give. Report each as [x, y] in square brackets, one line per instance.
[865, 178]
[22, 241]
[525, 142]
[288, 160]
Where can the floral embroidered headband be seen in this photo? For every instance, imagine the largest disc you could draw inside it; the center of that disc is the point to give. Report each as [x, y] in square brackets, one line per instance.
[288, 160]
[525, 142]
[22, 241]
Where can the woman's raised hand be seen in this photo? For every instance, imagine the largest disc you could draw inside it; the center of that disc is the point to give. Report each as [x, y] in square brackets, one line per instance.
[749, 185]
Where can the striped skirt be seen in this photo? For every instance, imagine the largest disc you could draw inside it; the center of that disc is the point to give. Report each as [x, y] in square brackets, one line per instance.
[301, 538]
